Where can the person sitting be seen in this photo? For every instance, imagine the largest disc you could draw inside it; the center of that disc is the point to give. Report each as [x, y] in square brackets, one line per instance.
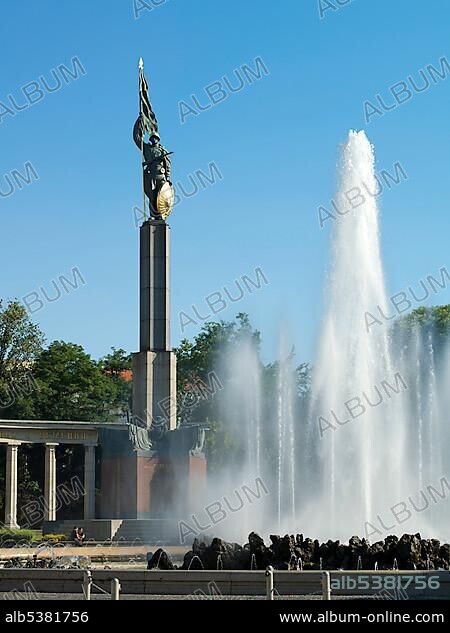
[74, 534]
[81, 536]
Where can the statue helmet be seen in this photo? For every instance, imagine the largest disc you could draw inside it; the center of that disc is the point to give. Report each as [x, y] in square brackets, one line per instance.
[155, 135]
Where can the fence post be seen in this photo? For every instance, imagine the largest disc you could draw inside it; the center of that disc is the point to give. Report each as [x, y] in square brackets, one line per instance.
[87, 584]
[269, 583]
[115, 589]
[326, 586]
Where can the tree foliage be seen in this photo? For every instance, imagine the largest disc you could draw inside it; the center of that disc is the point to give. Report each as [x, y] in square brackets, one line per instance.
[58, 382]
[71, 385]
[21, 343]
[437, 317]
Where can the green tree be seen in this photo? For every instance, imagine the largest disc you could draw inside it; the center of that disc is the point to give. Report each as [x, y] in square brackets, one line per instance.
[437, 317]
[204, 353]
[117, 368]
[431, 323]
[117, 362]
[71, 385]
[196, 360]
[20, 344]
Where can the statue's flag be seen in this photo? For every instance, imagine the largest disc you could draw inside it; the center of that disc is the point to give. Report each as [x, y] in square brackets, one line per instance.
[148, 116]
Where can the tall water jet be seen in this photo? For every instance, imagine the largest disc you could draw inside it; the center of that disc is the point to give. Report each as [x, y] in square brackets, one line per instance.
[359, 431]
[370, 457]
[240, 404]
[418, 408]
[286, 466]
[240, 410]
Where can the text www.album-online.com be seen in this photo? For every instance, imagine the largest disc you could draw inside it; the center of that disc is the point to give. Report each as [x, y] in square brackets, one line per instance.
[388, 616]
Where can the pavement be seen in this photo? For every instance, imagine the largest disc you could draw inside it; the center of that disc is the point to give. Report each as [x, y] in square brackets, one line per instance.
[112, 551]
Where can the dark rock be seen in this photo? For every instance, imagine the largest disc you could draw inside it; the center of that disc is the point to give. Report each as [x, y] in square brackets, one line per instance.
[292, 552]
[409, 552]
[160, 560]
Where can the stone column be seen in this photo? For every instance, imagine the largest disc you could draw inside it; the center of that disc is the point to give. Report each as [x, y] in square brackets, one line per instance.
[154, 366]
[50, 482]
[89, 482]
[11, 486]
[154, 304]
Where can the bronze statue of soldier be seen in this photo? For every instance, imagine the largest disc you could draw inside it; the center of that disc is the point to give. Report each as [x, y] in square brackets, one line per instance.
[157, 169]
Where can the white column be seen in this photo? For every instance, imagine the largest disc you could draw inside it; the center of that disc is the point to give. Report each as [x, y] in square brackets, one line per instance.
[89, 482]
[11, 486]
[50, 482]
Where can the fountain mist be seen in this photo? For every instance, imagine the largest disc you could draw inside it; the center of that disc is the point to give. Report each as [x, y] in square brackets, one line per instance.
[353, 415]
[375, 409]
[370, 455]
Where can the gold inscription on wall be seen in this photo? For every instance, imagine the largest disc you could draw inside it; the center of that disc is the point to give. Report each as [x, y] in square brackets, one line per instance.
[37, 435]
[64, 435]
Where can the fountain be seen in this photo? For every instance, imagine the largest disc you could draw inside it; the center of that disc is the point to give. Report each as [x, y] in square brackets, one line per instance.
[367, 454]
[353, 417]
[377, 400]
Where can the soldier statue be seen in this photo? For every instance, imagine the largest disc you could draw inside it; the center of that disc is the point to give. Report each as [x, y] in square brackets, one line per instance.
[155, 158]
[157, 169]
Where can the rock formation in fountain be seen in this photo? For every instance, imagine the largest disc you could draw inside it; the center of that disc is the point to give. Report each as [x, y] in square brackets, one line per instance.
[291, 552]
[160, 560]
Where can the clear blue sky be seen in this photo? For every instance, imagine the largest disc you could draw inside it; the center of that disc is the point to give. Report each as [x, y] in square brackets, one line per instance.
[275, 143]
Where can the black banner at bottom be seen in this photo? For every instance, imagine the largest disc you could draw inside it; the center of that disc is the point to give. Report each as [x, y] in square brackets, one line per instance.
[266, 613]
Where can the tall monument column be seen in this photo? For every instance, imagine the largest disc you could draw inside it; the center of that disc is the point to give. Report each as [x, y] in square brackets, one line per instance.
[154, 472]
[154, 366]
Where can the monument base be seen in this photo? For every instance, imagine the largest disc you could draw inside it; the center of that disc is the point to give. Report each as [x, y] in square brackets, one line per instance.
[162, 483]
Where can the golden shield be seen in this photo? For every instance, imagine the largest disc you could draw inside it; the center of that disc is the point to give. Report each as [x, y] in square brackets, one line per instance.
[165, 200]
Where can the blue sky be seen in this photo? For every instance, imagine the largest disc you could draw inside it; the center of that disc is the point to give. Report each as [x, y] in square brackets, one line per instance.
[275, 143]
